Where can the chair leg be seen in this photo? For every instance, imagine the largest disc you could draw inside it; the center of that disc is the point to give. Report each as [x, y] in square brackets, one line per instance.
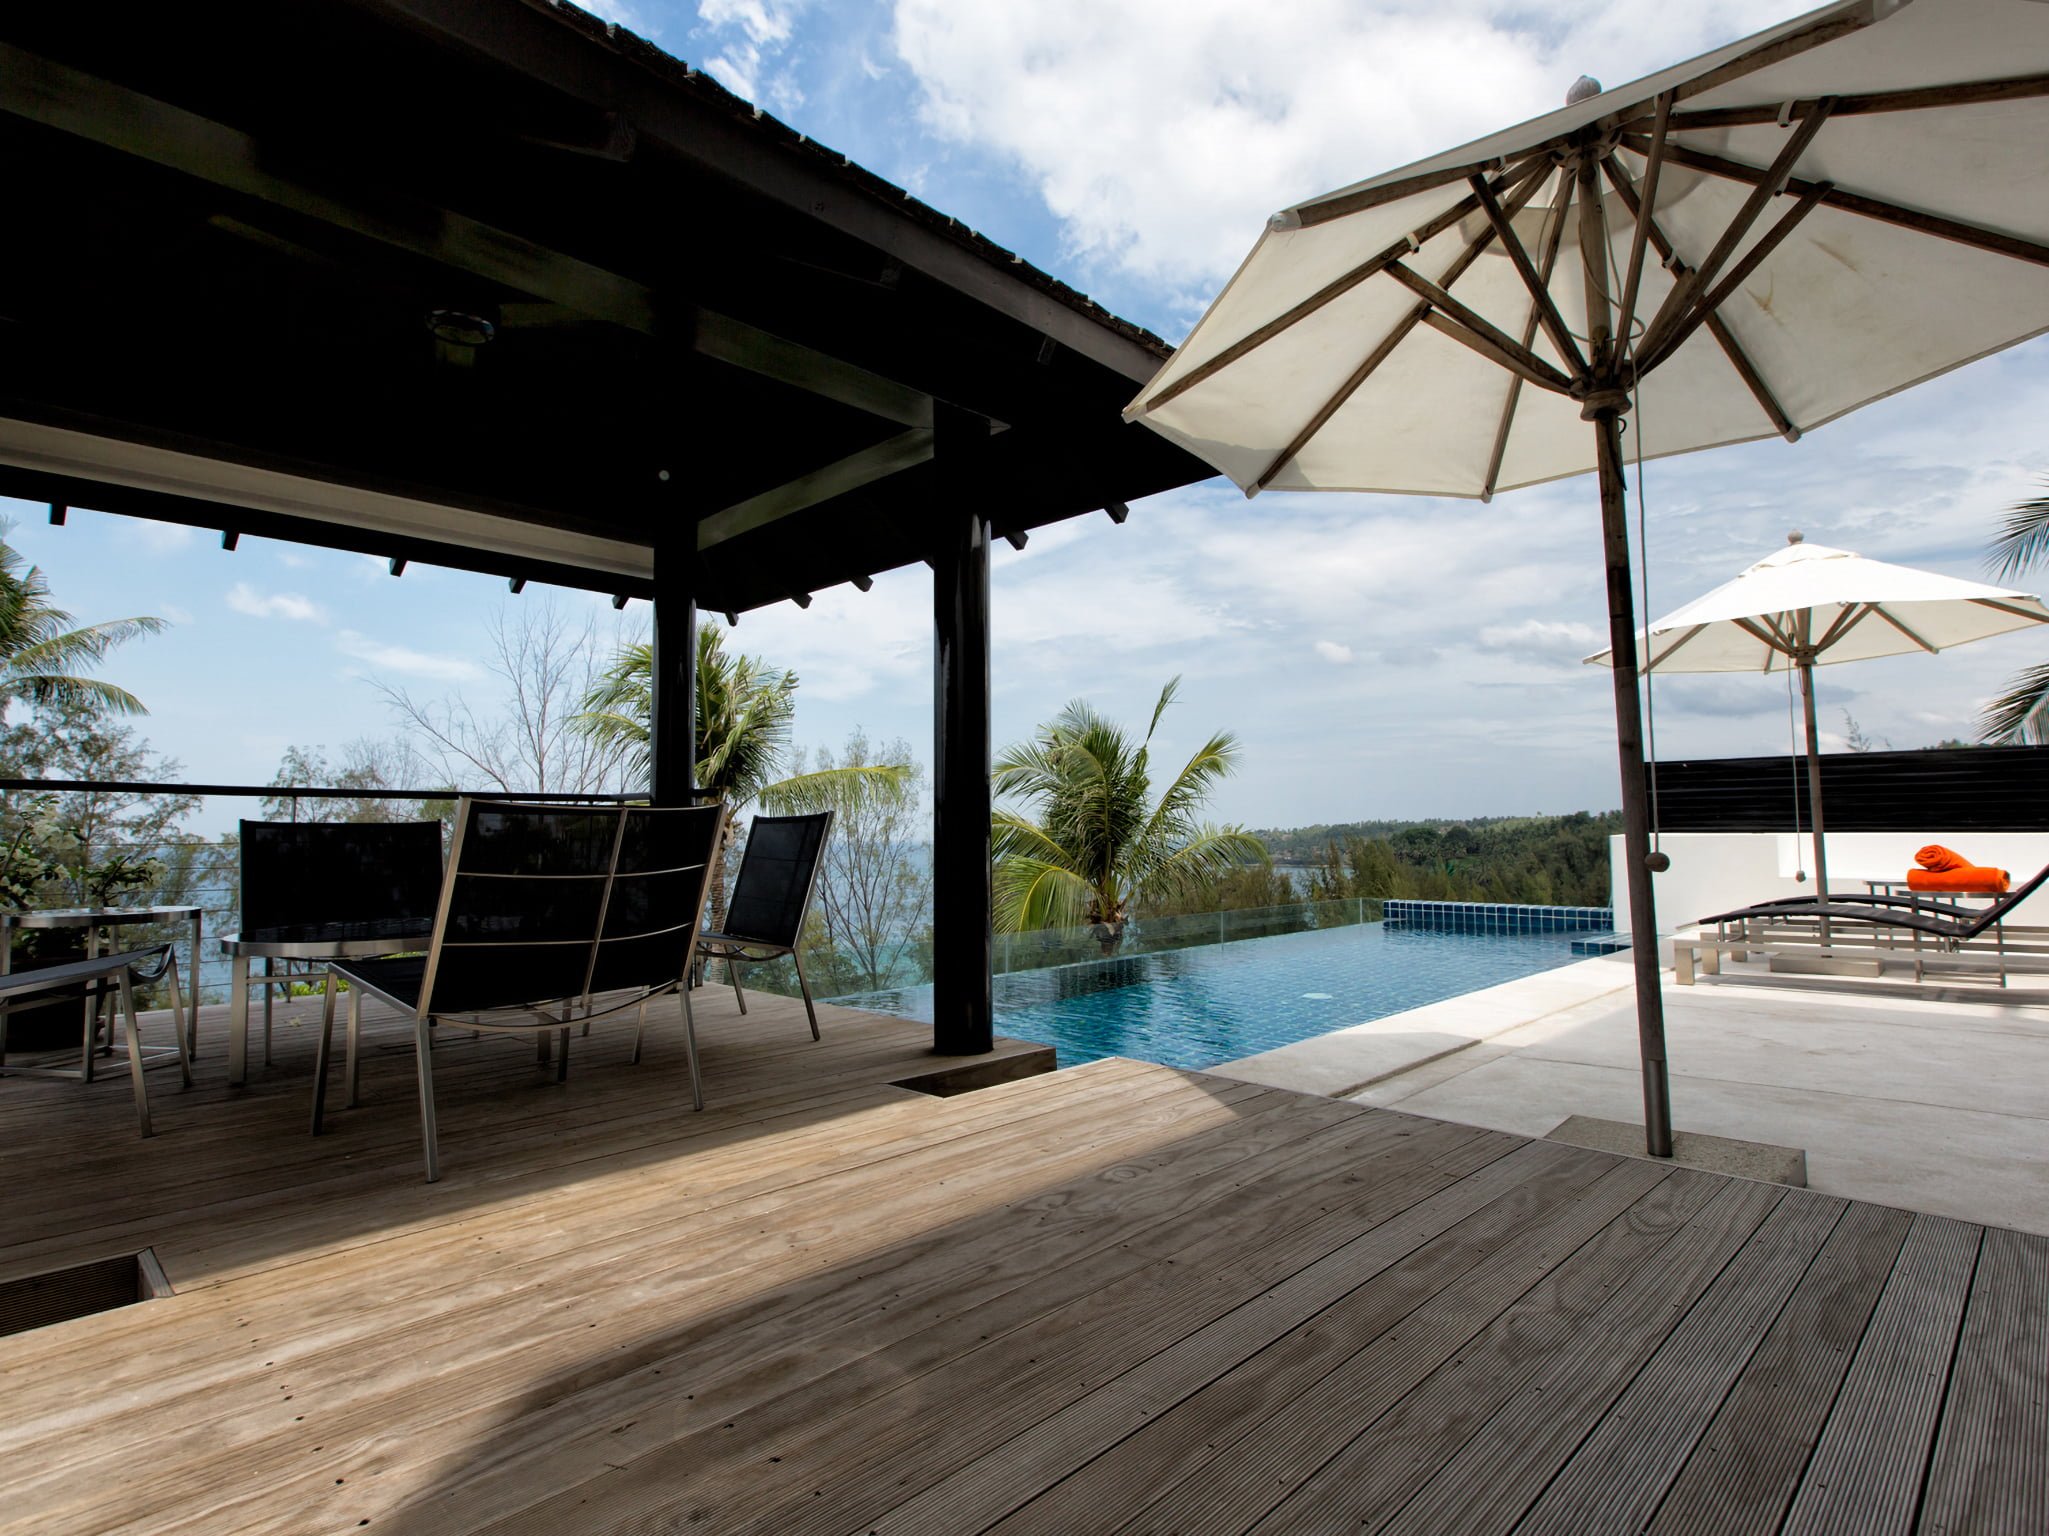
[355, 1062]
[733, 975]
[135, 1054]
[322, 1052]
[269, 997]
[640, 1026]
[185, 1045]
[562, 1062]
[423, 1053]
[805, 987]
[690, 1049]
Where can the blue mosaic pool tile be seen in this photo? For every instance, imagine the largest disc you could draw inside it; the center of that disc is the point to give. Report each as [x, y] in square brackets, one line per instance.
[1498, 918]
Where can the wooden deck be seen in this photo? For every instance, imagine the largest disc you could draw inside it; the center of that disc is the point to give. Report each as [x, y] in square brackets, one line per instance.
[1119, 1298]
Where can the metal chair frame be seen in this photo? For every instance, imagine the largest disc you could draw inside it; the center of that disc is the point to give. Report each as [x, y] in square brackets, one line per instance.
[734, 948]
[103, 979]
[543, 1017]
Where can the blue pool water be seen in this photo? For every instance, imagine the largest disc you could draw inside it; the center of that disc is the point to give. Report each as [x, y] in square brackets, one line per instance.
[1198, 1007]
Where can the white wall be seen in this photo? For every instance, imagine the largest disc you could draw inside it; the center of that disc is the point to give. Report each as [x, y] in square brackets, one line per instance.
[1719, 871]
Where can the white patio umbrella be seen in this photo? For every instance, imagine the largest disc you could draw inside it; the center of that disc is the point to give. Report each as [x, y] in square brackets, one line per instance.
[1807, 606]
[1838, 208]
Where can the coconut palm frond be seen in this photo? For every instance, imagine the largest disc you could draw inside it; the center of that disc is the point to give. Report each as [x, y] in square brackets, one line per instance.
[2020, 716]
[42, 654]
[1212, 762]
[2023, 541]
[1212, 851]
[1031, 893]
[840, 789]
[50, 688]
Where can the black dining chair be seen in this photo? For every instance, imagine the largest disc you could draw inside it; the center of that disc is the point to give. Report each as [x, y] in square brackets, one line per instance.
[771, 898]
[549, 916]
[96, 987]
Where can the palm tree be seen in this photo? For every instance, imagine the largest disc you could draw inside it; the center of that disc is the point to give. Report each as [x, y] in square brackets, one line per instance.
[1097, 846]
[2020, 716]
[745, 708]
[40, 652]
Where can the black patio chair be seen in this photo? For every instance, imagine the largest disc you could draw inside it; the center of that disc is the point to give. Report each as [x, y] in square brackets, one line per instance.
[548, 916]
[317, 891]
[94, 987]
[771, 898]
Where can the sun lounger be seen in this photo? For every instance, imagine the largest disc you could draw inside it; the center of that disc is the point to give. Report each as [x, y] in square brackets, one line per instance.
[1873, 922]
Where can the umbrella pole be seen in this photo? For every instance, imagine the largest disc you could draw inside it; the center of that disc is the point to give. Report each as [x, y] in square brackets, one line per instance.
[1814, 790]
[1636, 810]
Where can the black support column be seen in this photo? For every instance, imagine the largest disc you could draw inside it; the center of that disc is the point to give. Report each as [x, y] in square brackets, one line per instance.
[672, 724]
[963, 1019]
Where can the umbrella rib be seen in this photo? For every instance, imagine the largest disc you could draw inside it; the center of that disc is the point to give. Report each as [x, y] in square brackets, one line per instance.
[1521, 174]
[1847, 620]
[1463, 324]
[1881, 610]
[2019, 613]
[1717, 327]
[1762, 192]
[1974, 235]
[1546, 312]
[1772, 638]
[1968, 94]
[1553, 238]
[1394, 338]
[1658, 661]
[1654, 164]
[1737, 275]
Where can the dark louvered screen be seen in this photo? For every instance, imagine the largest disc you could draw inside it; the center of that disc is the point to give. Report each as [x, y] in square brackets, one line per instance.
[1950, 789]
[318, 875]
[774, 884]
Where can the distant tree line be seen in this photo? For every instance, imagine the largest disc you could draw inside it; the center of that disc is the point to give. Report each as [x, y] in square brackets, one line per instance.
[1545, 860]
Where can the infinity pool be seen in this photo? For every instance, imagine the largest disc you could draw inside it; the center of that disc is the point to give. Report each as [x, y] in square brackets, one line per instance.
[1199, 1007]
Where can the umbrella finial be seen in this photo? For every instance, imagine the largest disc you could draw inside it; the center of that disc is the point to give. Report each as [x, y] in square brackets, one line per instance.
[1584, 87]
[1795, 537]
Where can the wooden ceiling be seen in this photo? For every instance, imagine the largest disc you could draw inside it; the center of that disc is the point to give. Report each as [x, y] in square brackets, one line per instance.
[236, 226]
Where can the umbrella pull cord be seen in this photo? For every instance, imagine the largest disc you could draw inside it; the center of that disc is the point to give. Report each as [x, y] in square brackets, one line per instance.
[1643, 556]
[1793, 757]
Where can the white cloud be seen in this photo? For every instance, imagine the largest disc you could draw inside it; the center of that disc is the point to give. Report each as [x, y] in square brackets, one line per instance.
[243, 598]
[1161, 133]
[1542, 637]
[174, 613]
[407, 662]
[1331, 651]
[752, 38]
[161, 538]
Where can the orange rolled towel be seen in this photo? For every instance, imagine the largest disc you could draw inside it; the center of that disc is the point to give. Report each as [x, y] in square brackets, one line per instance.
[1937, 857]
[1967, 879]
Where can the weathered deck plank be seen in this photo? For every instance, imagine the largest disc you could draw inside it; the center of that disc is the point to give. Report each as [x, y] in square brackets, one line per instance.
[1120, 1298]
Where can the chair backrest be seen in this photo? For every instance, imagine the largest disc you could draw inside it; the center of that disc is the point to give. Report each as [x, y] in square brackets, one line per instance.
[316, 874]
[544, 903]
[772, 892]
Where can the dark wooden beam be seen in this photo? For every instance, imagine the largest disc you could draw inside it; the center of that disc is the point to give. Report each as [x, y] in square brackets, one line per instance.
[532, 41]
[672, 723]
[963, 1013]
[1654, 165]
[890, 457]
[1976, 236]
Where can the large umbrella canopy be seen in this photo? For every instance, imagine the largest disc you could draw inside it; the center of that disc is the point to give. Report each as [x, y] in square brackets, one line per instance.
[1807, 606]
[1910, 234]
[1751, 243]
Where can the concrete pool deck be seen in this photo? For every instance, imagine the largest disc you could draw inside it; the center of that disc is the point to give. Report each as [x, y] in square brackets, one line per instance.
[1934, 1106]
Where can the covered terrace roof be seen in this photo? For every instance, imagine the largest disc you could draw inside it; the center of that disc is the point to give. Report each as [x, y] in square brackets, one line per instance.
[494, 285]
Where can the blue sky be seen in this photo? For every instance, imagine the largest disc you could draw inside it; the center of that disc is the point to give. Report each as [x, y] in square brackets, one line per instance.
[1377, 656]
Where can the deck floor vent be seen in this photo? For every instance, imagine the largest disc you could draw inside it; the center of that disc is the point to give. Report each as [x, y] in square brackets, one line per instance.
[58, 1295]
